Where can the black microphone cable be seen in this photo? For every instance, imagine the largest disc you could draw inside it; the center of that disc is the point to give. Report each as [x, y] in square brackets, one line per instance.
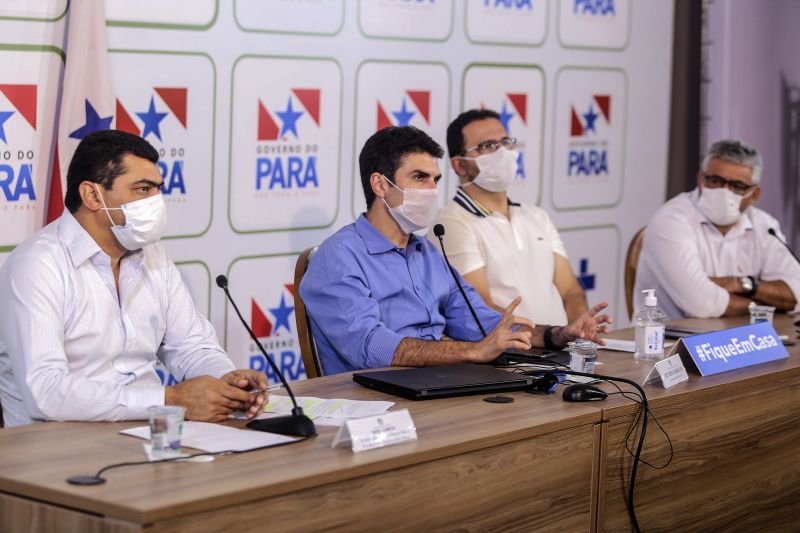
[640, 445]
[774, 233]
[97, 480]
[438, 230]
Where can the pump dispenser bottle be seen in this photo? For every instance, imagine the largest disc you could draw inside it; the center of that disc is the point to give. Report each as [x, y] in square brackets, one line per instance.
[649, 324]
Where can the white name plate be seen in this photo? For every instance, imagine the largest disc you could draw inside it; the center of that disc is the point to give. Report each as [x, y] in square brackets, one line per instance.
[669, 371]
[376, 431]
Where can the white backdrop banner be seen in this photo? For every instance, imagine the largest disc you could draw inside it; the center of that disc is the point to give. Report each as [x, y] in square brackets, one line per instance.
[259, 110]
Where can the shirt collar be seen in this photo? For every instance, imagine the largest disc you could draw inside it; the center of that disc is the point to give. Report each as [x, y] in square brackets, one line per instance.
[375, 241]
[80, 245]
[473, 206]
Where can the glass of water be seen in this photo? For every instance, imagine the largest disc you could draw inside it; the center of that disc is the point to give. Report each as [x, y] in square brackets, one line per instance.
[582, 356]
[166, 427]
[761, 313]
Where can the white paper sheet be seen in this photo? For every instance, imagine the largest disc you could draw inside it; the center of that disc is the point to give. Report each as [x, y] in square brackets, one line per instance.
[619, 345]
[337, 408]
[216, 438]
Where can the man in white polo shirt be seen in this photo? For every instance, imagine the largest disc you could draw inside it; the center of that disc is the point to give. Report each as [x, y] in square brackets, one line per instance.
[502, 248]
[709, 252]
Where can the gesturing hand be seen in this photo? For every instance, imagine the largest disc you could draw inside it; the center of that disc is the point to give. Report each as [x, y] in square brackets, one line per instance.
[503, 337]
[206, 398]
[587, 326]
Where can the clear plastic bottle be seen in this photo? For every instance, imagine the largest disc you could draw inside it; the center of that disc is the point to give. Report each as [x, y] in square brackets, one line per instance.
[649, 324]
[583, 355]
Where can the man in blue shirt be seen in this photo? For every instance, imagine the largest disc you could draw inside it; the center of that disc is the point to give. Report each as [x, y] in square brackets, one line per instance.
[378, 295]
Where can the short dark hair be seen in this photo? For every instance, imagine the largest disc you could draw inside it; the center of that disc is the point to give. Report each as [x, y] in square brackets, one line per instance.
[385, 150]
[455, 131]
[98, 158]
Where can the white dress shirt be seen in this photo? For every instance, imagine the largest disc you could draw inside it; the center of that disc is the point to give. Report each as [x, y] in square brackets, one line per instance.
[72, 349]
[517, 254]
[683, 249]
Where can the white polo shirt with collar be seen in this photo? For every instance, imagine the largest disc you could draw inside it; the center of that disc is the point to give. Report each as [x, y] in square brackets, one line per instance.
[682, 249]
[517, 254]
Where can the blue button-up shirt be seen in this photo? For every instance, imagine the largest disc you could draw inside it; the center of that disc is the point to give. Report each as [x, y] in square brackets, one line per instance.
[364, 295]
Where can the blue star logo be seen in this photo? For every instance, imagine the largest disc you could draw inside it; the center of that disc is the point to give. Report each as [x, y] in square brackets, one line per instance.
[151, 120]
[505, 117]
[281, 314]
[403, 116]
[4, 115]
[590, 117]
[289, 119]
[94, 122]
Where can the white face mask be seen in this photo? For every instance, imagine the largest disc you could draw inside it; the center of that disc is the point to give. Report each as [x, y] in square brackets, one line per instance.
[145, 221]
[721, 206]
[417, 210]
[496, 170]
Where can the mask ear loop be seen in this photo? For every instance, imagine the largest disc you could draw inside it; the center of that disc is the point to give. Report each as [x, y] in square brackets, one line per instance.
[105, 208]
[396, 187]
[472, 181]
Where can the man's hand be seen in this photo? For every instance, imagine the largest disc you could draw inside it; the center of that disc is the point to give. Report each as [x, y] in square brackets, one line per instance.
[587, 326]
[253, 381]
[502, 337]
[206, 398]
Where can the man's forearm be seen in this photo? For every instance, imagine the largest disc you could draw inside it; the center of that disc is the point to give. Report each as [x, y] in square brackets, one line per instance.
[418, 352]
[537, 334]
[737, 305]
[575, 304]
[776, 293]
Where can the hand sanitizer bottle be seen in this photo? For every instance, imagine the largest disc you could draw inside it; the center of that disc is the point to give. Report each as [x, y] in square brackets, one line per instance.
[649, 323]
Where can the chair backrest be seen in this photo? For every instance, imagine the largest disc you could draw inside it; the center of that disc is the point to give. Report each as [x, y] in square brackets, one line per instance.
[631, 263]
[308, 347]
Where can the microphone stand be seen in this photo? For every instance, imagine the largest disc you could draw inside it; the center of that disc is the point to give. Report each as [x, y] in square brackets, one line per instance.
[772, 232]
[295, 424]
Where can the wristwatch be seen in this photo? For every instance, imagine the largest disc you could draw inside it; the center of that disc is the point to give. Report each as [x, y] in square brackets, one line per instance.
[548, 338]
[749, 286]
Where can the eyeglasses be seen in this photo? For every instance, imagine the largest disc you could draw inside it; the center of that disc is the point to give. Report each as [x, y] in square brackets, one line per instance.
[736, 186]
[488, 147]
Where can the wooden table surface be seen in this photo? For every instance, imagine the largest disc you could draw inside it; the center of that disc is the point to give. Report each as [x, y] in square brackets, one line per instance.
[623, 365]
[35, 460]
[735, 439]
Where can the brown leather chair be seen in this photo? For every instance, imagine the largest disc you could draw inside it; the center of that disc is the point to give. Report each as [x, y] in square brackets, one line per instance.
[308, 347]
[631, 263]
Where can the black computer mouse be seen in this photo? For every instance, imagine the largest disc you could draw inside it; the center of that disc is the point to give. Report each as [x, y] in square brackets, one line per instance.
[583, 392]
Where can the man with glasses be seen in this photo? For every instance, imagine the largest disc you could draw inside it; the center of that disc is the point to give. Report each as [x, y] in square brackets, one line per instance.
[709, 252]
[379, 295]
[502, 248]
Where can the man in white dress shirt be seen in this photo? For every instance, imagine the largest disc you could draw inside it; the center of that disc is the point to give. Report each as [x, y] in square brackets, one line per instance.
[709, 252]
[91, 301]
[502, 248]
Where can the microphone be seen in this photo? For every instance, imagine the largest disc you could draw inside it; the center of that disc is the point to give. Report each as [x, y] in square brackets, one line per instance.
[295, 424]
[504, 358]
[438, 230]
[772, 232]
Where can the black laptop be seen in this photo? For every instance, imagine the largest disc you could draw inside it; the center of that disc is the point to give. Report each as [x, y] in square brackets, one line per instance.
[430, 382]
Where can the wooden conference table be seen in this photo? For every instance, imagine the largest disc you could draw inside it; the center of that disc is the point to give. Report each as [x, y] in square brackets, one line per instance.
[537, 464]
